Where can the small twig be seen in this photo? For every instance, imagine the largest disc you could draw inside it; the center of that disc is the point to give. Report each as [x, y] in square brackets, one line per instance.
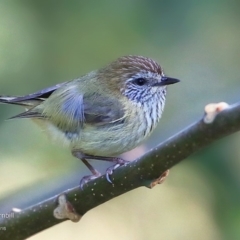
[141, 172]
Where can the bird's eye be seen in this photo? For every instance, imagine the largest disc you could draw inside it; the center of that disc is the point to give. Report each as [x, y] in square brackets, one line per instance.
[140, 81]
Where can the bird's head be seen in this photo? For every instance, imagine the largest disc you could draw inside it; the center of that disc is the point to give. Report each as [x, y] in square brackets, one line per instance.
[137, 78]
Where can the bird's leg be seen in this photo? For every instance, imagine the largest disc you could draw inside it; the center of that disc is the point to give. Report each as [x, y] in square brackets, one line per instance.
[95, 172]
[118, 162]
[83, 157]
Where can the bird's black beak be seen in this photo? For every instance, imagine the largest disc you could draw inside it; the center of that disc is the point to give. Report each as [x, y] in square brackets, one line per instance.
[166, 81]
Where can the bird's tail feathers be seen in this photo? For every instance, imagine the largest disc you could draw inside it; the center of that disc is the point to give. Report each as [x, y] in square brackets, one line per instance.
[29, 104]
[19, 101]
[28, 114]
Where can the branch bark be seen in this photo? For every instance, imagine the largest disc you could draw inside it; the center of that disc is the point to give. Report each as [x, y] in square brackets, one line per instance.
[141, 172]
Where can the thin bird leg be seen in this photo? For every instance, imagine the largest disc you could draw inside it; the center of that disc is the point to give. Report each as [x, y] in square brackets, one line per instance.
[88, 178]
[107, 159]
[91, 168]
[119, 162]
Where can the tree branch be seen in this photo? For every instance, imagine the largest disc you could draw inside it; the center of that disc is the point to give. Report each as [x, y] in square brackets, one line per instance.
[141, 172]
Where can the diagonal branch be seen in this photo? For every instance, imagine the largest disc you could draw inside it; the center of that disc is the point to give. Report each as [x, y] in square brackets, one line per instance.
[141, 172]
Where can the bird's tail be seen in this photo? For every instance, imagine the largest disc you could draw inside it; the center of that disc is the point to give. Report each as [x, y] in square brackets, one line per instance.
[29, 103]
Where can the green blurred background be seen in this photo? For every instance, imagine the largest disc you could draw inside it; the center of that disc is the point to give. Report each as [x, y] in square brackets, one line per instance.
[46, 42]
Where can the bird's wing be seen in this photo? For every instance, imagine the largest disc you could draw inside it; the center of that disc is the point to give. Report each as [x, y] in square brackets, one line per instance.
[100, 110]
[69, 109]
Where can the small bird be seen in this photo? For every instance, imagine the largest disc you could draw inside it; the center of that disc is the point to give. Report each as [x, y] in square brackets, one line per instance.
[102, 114]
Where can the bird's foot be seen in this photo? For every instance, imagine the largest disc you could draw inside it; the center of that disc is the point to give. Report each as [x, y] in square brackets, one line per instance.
[88, 178]
[119, 162]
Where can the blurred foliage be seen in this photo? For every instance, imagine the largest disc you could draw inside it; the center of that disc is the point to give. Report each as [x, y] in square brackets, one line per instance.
[46, 42]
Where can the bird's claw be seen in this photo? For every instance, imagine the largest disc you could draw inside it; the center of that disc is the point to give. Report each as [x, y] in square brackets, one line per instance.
[88, 178]
[110, 170]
